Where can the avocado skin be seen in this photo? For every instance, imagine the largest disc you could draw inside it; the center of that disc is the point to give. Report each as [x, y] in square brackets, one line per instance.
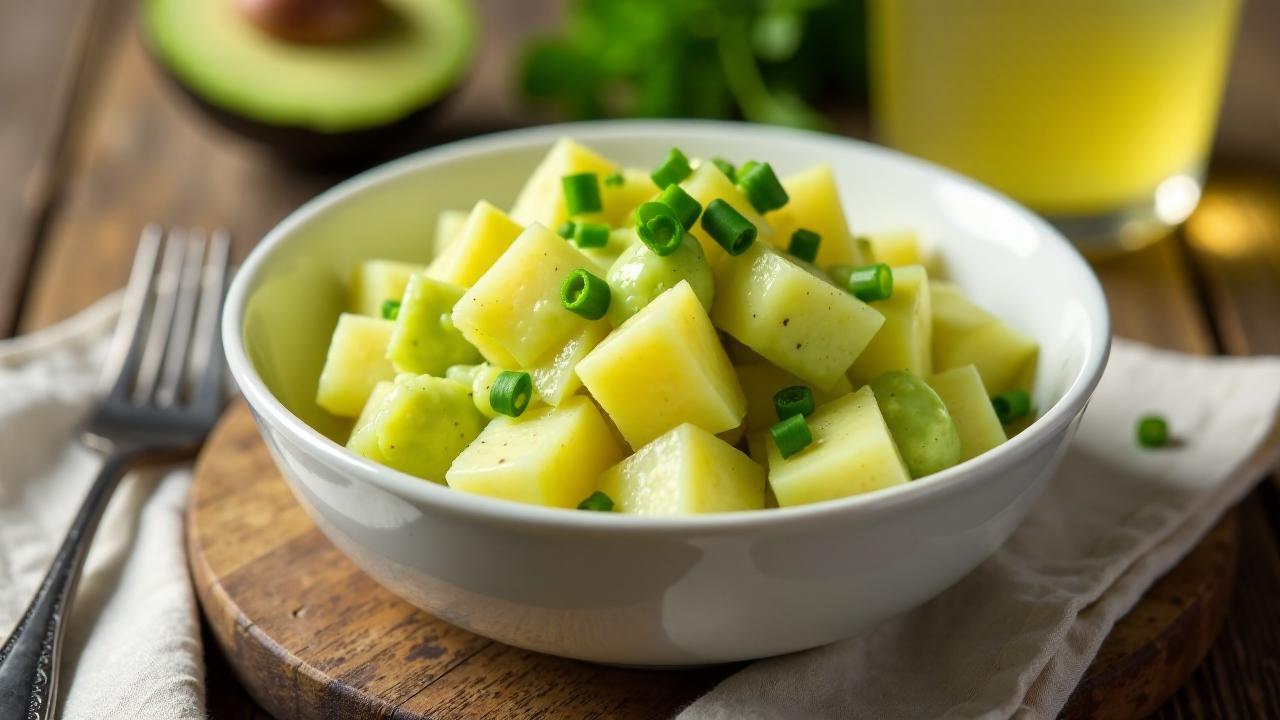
[319, 150]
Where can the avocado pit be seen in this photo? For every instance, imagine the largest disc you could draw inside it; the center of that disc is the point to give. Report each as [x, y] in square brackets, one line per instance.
[314, 22]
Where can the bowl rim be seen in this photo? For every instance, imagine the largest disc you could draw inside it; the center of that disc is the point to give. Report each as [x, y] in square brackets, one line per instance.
[938, 486]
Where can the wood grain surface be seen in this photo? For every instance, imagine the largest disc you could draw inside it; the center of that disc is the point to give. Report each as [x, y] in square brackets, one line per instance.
[312, 637]
[1233, 242]
[1157, 296]
[41, 71]
[93, 145]
[309, 634]
[141, 153]
[1152, 650]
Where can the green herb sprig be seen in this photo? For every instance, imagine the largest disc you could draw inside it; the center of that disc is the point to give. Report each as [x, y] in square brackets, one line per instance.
[763, 60]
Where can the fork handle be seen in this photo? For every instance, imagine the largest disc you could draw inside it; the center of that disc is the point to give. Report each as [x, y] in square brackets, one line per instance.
[29, 657]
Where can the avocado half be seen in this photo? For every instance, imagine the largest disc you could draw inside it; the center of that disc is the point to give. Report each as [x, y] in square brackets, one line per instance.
[314, 103]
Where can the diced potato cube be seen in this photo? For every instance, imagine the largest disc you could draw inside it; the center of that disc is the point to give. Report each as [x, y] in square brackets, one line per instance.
[376, 281]
[758, 448]
[542, 198]
[965, 334]
[372, 405]
[425, 340]
[814, 204]
[483, 238]
[364, 442]
[852, 453]
[515, 307]
[895, 247]
[356, 362]
[740, 354]
[799, 322]
[664, 367]
[760, 381]
[555, 378]
[620, 200]
[448, 225]
[758, 443]
[420, 427]
[687, 471]
[549, 456]
[490, 349]
[904, 341]
[970, 408]
[954, 312]
[707, 183]
[734, 436]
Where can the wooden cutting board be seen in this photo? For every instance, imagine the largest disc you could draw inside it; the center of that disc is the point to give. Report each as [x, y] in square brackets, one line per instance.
[311, 636]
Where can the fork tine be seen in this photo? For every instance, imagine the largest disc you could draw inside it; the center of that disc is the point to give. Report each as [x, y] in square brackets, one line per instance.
[205, 364]
[169, 390]
[164, 303]
[126, 343]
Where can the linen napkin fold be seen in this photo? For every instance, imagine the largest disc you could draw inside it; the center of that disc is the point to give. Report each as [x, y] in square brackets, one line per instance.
[132, 648]
[1011, 639]
[1014, 638]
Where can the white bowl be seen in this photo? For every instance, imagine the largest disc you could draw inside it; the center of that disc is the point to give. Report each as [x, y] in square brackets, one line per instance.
[646, 591]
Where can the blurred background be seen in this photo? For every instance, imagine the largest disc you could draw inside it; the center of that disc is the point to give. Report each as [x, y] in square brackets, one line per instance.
[1148, 130]
[1103, 116]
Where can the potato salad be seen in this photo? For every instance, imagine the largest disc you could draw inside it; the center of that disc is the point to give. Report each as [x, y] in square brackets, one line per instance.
[700, 336]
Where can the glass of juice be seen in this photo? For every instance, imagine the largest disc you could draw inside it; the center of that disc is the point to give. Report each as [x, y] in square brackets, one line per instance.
[1098, 114]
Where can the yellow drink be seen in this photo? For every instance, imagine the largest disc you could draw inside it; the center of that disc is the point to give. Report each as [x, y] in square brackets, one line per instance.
[1075, 107]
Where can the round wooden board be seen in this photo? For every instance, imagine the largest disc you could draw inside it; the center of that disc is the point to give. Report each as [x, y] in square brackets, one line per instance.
[310, 636]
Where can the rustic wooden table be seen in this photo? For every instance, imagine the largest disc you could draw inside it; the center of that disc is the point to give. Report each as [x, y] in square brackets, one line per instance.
[93, 145]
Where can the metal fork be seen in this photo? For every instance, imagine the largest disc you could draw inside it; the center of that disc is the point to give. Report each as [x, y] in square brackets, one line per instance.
[161, 394]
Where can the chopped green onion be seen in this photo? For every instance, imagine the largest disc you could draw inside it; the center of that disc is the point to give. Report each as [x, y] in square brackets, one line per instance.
[597, 501]
[727, 227]
[614, 179]
[804, 244]
[747, 167]
[673, 169]
[794, 400]
[870, 283]
[590, 235]
[511, 392]
[726, 167]
[581, 193]
[566, 229]
[585, 294]
[682, 204]
[762, 188]
[1011, 405]
[791, 435]
[659, 227]
[865, 248]
[390, 309]
[1153, 431]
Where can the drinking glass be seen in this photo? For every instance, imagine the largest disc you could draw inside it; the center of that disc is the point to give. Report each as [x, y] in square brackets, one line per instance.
[1098, 114]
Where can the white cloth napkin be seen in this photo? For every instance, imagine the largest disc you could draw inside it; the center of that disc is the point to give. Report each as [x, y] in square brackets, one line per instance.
[1013, 638]
[132, 649]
